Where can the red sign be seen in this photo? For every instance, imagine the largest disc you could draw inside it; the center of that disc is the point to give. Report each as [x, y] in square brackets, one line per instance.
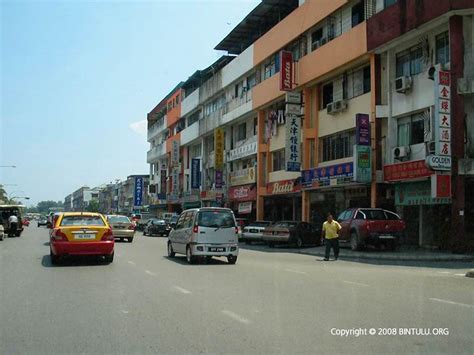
[243, 193]
[441, 186]
[444, 78]
[286, 71]
[284, 187]
[406, 171]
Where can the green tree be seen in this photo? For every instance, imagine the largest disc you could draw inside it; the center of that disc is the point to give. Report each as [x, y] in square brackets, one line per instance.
[44, 206]
[3, 194]
[93, 206]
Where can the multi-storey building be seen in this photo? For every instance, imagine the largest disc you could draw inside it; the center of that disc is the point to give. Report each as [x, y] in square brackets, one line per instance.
[82, 196]
[316, 103]
[68, 203]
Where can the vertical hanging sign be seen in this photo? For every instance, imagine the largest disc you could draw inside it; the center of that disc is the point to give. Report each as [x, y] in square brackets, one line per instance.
[286, 71]
[442, 119]
[138, 191]
[219, 148]
[293, 146]
[195, 173]
[362, 129]
[175, 153]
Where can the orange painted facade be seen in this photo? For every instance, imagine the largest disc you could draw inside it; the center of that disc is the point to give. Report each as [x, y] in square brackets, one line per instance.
[174, 103]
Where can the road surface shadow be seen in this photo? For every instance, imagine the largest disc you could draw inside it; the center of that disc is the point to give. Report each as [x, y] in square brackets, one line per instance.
[200, 261]
[74, 261]
[46, 243]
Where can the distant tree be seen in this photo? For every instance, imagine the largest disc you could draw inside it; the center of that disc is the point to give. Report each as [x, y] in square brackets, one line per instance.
[3, 194]
[93, 206]
[44, 206]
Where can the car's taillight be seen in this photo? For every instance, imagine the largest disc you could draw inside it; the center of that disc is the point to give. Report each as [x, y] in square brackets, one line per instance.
[108, 235]
[196, 229]
[236, 230]
[58, 235]
[367, 226]
[132, 227]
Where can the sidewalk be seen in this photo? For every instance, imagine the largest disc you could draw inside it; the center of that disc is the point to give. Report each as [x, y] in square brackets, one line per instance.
[402, 254]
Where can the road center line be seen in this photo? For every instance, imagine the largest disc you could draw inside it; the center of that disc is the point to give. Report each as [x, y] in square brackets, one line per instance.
[131, 263]
[356, 283]
[295, 271]
[459, 274]
[443, 272]
[150, 273]
[451, 302]
[235, 316]
[182, 290]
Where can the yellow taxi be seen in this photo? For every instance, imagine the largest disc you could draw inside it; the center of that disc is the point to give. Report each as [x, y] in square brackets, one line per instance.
[81, 233]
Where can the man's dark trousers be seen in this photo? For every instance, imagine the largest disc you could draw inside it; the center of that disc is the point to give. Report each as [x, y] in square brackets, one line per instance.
[334, 244]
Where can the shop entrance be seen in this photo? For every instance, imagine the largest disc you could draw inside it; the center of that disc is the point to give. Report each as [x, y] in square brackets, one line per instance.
[280, 208]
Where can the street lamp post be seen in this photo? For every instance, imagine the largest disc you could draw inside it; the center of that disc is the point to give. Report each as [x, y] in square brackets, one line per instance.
[7, 166]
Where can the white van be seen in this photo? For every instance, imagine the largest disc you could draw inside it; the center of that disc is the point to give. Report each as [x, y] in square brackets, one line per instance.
[207, 232]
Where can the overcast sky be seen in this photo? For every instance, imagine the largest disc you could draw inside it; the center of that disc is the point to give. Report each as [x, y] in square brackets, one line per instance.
[78, 78]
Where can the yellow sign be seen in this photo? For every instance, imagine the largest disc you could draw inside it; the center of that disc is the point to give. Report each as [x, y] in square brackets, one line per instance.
[242, 177]
[219, 148]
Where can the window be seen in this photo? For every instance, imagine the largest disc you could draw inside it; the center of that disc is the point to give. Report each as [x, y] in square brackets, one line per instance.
[409, 62]
[411, 130]
[271, 67]
[278, 160]
[216, 219]
[366, 79]
[357, 14]
[327, 94]
[388, 3]
[442, 48]
[251, 81]
[312, 155]
[338, 146]
[241, 132]
[236, 90]
[255, 126]
[82, 220]
[316, 37]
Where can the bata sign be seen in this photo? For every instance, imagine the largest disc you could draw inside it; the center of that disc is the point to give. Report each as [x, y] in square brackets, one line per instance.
[243, 193]
[286, 72]
[283, 187]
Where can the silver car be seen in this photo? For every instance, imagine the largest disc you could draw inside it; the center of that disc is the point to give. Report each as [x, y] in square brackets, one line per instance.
[254, 231]
[122, 227]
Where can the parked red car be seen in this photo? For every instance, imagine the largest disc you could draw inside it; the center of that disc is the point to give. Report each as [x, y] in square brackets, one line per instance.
[374, 226]
[25, 222]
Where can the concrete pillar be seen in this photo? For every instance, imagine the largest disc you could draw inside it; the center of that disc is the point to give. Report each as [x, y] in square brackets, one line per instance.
[373, 128]
[261, 150]
[456, 44]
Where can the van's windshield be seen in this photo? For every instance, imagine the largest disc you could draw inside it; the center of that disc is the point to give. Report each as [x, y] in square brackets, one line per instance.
[218, 219]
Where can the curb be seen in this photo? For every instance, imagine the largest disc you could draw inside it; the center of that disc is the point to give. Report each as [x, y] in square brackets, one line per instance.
[470, 273]
[443, 258]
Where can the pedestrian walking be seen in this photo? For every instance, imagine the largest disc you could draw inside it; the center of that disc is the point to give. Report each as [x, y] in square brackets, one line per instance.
[330, 233]
[13, 223]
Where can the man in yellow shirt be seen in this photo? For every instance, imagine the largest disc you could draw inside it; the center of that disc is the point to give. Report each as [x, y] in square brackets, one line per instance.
[330, 232]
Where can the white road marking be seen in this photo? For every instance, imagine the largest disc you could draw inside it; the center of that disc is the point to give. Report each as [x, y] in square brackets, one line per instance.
[131, 263]
[451, 302]
[124, 311]
[460, 274]
[150, 273]
[182, 290]
[356, 283]
[119, 255]
[443, 272]
[235, 317]
[296, 271]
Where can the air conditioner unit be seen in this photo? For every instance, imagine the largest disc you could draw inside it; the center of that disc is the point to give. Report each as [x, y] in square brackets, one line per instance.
[330, 109]
[340, 105]
[400, 152]
[403, 84]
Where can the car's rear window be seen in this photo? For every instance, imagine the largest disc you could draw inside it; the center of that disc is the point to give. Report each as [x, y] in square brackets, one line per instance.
[82, 221]
[259, 224]
[118, 219]
[220, 219]
[374, 215]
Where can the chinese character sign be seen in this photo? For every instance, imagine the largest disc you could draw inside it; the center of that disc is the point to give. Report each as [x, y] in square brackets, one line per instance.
[293, 146]
[138, 191]
[219, 148]
[442, 119]
[363, 166]
[195, 173]
[175, 153]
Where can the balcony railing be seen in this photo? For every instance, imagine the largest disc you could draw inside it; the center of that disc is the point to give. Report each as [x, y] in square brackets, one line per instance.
[211, 122]
[190, 133]
[157, 128]
[155, 153]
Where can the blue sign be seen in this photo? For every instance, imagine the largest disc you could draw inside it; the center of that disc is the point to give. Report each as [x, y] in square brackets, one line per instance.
[138, 191]
[195, 173]
[322, 176]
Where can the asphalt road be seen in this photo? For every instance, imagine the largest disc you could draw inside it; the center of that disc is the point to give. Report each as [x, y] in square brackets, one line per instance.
[270, 302]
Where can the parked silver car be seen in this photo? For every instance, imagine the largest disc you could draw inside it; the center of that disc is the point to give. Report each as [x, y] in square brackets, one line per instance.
[254, 231]
[122, 227]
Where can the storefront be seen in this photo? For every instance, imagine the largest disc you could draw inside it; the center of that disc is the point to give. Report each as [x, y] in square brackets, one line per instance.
[192, 200]
[283, 200]
[242, 200]
[424, 205]
[211, 198]
[331, 189]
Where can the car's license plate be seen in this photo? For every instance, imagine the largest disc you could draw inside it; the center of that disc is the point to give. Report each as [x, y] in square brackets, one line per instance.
[217, 249]
[386, 237]
[253, 230]
[84, 236]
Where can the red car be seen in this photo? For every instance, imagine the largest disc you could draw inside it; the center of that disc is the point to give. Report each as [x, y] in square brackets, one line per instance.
[25, 222]
[81, 233]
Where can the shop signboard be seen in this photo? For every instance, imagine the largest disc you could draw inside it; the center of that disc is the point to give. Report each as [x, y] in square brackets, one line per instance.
[441, 185]
[362, 163]
[338, 174]
[195, 173]
[138, 196]
[362, 129]
[175, 180]
[243, 151]
[163, 181]
[242, 177]
[219, 179]
[416, 194]
[219, 148]
[442, 113]
[245, 207]
[439, 162]
[293, 146]
[242, 193]
[286, 71]
[175, 153]
[284, 187]
[406, 171]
